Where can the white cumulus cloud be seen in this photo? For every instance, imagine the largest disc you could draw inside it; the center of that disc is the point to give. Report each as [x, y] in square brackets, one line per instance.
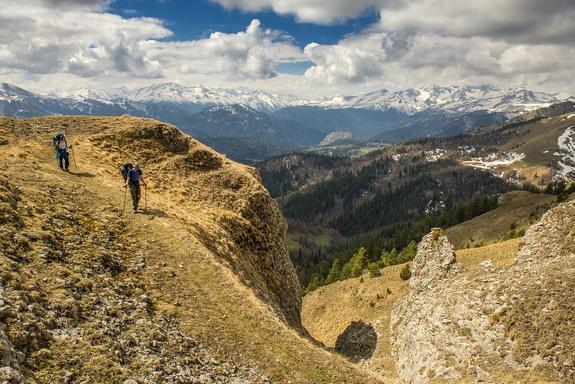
[250, 54]
[315, 11]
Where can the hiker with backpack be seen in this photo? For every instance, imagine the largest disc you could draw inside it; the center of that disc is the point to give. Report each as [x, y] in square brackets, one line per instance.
[133, 177]
[61, 147]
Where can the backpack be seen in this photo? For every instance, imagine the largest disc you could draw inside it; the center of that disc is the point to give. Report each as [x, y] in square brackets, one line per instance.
[124, 170]
[56, 139]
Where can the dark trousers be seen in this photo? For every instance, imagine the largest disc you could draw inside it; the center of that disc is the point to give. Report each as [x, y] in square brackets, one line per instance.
[62, 158]
[135, 192]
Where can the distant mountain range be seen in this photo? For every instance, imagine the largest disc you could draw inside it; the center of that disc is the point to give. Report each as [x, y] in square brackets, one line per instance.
[189, 98]
[289, 121]
[457, 99]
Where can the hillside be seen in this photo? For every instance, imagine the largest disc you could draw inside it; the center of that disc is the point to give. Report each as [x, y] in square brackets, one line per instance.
[197, 289]
[391, 195]
[515, 213]
[497, 313]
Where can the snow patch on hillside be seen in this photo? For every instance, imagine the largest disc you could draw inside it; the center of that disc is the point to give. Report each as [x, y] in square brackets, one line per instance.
[434, 155]
[566, 153]
[494, 160]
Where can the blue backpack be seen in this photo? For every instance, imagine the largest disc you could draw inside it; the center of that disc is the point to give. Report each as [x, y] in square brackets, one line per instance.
[124, 169]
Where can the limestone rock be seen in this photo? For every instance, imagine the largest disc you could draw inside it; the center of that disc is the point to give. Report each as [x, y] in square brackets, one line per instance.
[484, 323]
[357, 342]
[435, 260]
[552, 237]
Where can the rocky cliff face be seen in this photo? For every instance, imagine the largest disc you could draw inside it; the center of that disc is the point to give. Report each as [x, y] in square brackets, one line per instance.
[487, 323]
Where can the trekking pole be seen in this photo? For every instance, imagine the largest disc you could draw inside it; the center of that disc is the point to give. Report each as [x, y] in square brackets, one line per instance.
[145, 198]
[74, 157]
[125, 194]
[71, 149]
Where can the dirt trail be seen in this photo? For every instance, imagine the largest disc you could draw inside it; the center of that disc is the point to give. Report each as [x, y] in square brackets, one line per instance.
[98, 296]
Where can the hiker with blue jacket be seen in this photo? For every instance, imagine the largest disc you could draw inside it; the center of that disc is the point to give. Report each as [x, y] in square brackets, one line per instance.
[133, 178]
[61, 147]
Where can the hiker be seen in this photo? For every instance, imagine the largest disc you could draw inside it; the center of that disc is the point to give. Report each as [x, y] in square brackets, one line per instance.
[133, 178]
[61, 147]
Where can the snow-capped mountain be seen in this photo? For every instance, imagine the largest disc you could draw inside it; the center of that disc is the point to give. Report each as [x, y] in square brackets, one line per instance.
[15, 101]
[196, 95]
[456, 99]
[384, 115]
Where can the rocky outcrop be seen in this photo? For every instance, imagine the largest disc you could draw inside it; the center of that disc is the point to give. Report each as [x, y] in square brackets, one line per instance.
[436, 260]
[484, 323]
[553, 237]
[357, 342]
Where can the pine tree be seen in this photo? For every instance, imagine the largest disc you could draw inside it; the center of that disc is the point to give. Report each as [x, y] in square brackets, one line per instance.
[388, 257]
[358, 262]
[409, 252]
[313, 284]
[346, 271]
[334, 273]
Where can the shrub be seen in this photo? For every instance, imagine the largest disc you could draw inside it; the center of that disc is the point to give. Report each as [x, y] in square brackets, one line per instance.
[373, 269]
[405, 273]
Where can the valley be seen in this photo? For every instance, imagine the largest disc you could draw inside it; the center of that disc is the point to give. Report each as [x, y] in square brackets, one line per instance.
[393, 195]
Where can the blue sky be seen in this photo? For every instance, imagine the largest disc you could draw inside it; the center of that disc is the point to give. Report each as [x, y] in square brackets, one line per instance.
[308, 48]
[197, 19]
[191, 20]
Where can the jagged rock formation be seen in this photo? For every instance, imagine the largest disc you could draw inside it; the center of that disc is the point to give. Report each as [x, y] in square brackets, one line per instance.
[457, 325]
[436, 260]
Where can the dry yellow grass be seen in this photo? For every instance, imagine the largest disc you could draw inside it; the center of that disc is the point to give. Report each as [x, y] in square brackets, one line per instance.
[517, 210]
[501, 254]
[185, 277]
[327, 311]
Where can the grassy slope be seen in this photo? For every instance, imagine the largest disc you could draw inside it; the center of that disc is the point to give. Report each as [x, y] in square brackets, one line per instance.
[516, 208]
[327, 311]
[182, 276]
